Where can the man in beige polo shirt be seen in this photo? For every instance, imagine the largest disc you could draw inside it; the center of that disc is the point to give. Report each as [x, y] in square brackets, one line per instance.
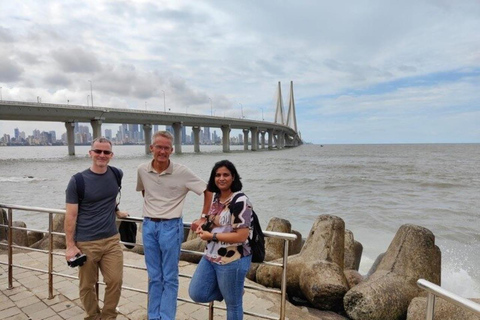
[164, 186]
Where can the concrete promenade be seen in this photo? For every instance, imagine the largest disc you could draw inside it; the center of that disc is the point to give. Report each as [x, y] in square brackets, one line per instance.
[29, 297]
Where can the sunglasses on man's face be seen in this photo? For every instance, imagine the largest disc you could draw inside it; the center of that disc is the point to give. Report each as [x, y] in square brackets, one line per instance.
[105, 152]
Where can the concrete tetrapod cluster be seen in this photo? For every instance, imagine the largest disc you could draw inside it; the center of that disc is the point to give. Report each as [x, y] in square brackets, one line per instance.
[387, 293]
[324, 271]
[316, 273]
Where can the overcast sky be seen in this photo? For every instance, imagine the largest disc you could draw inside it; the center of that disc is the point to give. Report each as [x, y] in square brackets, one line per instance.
[363, 71]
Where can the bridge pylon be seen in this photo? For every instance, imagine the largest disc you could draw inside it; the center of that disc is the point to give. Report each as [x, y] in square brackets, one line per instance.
[291, 116]
[279, 111]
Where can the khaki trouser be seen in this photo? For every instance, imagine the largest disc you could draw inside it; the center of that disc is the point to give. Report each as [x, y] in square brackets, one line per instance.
[107, 255]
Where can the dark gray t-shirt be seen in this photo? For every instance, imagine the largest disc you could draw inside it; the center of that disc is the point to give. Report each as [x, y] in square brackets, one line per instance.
[96, 213]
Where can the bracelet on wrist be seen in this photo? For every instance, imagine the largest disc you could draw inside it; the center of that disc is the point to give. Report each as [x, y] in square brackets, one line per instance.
[214, 237]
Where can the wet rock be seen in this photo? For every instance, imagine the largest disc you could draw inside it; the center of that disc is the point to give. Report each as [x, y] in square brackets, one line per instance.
[353, 252]
[34, 236]
[323, 250]
[324, 284]
[417, 310]
[295, 246]
[20, 237]
[196, 244]
[353, 277]
[273, 246]
[58, 241]
[4, 221]
[387, 293]
[375, 264]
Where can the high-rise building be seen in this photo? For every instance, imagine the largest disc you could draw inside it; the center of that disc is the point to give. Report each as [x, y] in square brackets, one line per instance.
[53, 136]
[206, 135]
[184, 135]
[108, 134]
[16, 133]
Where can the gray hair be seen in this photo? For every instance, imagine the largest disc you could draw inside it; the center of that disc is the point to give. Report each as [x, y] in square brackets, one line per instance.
[101, 140]
[164, 134]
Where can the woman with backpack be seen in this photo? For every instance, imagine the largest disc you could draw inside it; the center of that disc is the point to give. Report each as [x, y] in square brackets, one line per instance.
[222, 270]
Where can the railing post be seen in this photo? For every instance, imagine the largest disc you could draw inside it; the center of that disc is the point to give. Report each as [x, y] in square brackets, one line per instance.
[283, 301]
[430, 306]
[50, 256]
[210, 311]
[10, 249]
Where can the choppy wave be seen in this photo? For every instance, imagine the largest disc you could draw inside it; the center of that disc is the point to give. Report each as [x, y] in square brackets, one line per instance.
[27, 178]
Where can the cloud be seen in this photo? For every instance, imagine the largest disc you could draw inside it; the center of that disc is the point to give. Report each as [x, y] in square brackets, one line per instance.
[76, 60]
[10, 70]
[5, 35]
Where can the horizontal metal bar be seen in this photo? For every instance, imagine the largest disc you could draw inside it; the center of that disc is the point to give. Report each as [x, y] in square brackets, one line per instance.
[29, 249]
[38, 209]
[131, 266]
[263, 289]
[280, 235]
[449, 296]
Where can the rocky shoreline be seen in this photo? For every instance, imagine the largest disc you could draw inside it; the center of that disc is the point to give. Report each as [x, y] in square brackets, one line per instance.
[323, 269]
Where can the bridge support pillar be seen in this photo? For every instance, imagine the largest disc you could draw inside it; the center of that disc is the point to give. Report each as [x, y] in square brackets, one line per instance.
[245, 139]
[147, 130]
[281, 140]
[177, 136]
[226, 138]
[262, 139]
[254, 138]
[270, 139]
[97, 128]
[196, 139]
[70, 137]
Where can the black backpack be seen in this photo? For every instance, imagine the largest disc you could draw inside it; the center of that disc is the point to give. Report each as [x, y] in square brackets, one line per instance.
[81, 183]
[257, 240]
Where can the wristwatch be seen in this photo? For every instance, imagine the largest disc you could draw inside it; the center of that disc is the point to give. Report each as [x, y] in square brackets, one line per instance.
[214, 237]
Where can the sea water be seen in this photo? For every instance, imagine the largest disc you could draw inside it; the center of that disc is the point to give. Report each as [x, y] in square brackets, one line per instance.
[374, 188]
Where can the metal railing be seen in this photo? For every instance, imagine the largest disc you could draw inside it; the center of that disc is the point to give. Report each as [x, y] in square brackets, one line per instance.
[286, 237]
[437, 291]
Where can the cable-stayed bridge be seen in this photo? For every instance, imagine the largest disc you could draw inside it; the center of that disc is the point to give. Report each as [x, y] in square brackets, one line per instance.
[281, 133]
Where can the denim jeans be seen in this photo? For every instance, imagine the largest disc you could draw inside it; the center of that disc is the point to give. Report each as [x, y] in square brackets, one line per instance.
[161, 243]
[212, 281]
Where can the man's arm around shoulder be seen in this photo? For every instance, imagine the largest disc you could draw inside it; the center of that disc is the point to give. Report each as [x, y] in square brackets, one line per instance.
[69, 226]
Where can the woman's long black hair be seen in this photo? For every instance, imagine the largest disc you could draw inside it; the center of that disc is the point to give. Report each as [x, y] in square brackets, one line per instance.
[236, 183]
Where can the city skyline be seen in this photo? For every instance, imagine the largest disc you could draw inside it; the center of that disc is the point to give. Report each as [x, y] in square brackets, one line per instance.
[126, 134]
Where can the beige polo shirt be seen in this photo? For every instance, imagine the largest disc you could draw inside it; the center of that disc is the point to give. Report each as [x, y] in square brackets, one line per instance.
[165, 192]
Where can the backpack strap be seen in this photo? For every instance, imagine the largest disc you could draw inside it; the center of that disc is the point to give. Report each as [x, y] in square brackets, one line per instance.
[118, 176]
[235, 198]
[80, 182]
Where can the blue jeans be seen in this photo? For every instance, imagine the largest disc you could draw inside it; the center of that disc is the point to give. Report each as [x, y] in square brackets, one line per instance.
[212, 281]
[162, 242]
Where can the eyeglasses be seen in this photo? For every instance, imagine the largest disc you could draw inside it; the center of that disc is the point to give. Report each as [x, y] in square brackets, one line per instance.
[105, 152]
[162, 148]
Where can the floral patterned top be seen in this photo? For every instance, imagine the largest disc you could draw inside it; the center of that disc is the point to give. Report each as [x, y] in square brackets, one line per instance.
[228, 217]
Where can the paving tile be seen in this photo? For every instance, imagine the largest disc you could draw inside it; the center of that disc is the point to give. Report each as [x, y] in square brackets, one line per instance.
[6, 304]
[27, 301]
[11, 312]
[71, 313]
[43, 314]
[55, 317]
[36, 307]
[20, 295]
[21, 316]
